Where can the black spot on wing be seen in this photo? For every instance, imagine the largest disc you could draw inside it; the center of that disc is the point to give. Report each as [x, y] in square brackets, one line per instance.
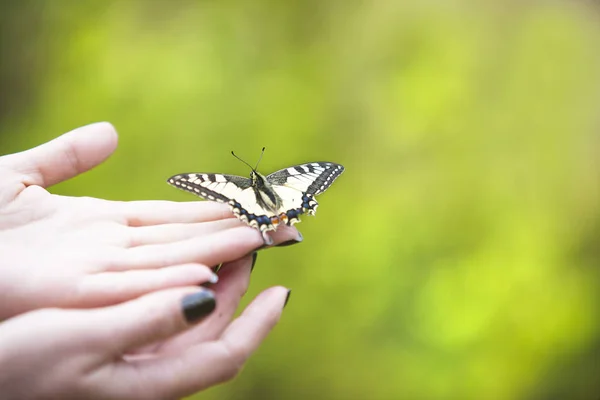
[239, 181]
[279, 177]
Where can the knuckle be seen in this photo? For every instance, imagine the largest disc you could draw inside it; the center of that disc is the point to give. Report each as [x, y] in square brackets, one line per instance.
[71, 155]
[33, 193]
[129, 237]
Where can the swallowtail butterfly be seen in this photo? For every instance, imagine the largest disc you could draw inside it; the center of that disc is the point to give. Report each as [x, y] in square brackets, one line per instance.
[264, 202]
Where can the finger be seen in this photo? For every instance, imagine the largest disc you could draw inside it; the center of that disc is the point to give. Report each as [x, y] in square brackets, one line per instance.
[66, 156]
[286, 235]
[168, 233]
[150, 318]
[155, 212]
[234, 279]
[115, 287]
[259, 318]
[205, 365]
[223, 246]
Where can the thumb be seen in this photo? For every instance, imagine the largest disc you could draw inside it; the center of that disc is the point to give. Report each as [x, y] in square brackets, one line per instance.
[153, 317]
[66, 156]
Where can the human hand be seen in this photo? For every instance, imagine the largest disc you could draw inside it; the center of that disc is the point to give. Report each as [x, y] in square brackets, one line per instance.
[141, 349]
[60, 251]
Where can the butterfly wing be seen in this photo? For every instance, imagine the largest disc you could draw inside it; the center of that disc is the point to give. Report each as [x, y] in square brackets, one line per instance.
[215, 187]
[234, 190]
[298, 185]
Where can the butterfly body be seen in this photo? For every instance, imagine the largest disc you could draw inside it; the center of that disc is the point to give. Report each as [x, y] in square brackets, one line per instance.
[264, 202]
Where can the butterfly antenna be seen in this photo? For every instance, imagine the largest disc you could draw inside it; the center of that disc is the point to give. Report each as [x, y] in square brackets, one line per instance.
[260, 158]
[232, 153]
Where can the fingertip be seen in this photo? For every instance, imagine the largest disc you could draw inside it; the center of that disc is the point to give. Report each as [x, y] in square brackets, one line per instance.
[286, 235]
[68, 155]
[274, 298]
[194, 273]
[104, 126]
[104, 133]
[92, 144]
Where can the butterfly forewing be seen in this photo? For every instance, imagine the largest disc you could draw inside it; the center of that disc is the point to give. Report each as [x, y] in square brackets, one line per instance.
[311, 178]
[217, 187]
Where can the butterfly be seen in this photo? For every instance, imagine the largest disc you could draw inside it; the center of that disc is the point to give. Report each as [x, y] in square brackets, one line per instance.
[264, 202]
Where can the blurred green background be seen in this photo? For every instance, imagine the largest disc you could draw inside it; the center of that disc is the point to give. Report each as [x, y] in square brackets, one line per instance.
[457, 257]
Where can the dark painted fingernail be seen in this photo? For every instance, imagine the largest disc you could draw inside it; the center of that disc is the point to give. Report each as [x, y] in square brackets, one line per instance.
[298, 239]
[198, 305]
[287, 298]
[288, 243]
[254, 257]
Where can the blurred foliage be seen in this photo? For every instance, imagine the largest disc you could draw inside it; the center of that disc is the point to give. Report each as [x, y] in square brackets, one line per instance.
[457, 257]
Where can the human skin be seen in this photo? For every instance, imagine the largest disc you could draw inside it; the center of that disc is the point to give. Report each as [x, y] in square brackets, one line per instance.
[141, 349]
[100, 299]
[80, 252]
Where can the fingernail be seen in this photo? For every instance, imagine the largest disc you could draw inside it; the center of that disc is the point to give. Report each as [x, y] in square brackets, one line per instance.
[198, 305]
[287, 298]
[254, 257]
[267, 239]
[298, 239]
[214, 278]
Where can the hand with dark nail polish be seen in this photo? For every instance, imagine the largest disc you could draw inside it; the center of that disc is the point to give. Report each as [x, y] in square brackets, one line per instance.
[131, 248]
[126, 351]
[118, 301]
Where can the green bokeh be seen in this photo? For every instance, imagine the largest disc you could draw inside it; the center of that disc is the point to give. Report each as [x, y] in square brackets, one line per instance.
[456, 258]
